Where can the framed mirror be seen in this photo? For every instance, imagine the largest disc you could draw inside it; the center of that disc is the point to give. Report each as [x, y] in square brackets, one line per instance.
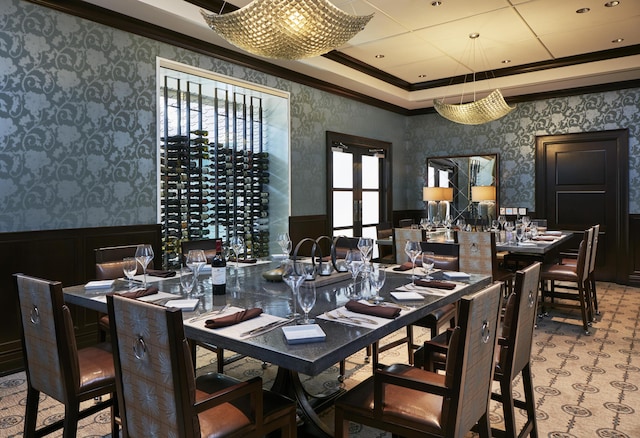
[474, 180]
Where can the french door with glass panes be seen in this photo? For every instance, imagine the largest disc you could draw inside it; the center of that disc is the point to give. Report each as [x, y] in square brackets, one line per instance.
[359, 185]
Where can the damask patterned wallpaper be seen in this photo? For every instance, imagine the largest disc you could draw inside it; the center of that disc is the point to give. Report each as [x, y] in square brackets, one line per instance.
[78, 123]
[513, 138]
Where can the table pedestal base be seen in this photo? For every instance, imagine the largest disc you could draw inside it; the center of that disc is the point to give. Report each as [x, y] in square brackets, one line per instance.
[309, 405]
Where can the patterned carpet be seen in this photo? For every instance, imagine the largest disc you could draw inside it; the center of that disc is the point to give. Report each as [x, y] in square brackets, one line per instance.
[585, 386]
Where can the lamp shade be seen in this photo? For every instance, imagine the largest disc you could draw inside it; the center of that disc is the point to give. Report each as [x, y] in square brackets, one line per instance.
[447, 194]
[432, 194]
[483, 193]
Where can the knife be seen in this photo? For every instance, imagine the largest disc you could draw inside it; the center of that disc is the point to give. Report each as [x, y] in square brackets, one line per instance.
[265, 328]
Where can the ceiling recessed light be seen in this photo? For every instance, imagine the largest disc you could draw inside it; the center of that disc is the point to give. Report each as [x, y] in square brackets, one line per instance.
[611, 4]
[422, 76]
[379, 56]
[436, 3]
[617, 40]
[506, 61]
[582, 10]
[474, 35]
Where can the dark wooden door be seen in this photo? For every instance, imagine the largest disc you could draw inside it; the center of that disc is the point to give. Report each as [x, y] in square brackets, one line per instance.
[582, 180]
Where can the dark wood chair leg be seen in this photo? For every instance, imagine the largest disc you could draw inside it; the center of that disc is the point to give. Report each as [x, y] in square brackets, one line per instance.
[31, 415]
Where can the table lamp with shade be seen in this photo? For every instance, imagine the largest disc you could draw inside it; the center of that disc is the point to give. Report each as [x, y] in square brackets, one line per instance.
[485, 196]
[437, 199]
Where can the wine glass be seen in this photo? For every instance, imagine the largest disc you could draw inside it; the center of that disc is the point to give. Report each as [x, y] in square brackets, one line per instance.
[307, 299]
[187, 280]
[285, 243]
[520, 230]
[413, 250]
[428, 261]
[129, 268]
[508, 227]
[502, 219]
[144, 255]
[365, 245]
[237, 245]
[353, 260]
[196, 259]
[377, 277]
[292, 275]
[436, 221]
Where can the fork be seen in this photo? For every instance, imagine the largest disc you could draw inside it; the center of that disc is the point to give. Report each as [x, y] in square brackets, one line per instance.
[208, 314]
[338, 318]
[361, 318]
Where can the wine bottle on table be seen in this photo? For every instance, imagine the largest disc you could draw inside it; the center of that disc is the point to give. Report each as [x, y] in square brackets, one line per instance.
[219, 271]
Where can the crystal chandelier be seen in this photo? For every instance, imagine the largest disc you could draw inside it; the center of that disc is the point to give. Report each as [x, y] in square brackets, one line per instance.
[477, 112]
[287, 29]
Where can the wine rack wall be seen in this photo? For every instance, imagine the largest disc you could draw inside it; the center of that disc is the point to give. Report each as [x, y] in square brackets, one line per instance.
[214, 168]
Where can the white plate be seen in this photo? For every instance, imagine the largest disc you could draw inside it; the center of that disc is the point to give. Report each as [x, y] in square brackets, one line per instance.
[186, 304]
[299, 334]
[454, 275]
[407, 296]
[99, 284]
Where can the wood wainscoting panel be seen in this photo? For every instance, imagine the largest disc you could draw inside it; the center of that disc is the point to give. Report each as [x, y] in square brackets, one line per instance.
[59, 255]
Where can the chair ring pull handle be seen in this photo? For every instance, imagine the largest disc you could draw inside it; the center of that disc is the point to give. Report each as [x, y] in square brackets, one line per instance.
[485, 332]
[531, 303]
[35, 315]
[139, 348]
[474, 247]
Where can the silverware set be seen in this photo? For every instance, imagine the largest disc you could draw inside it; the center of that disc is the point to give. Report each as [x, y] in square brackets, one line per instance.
[355, 319]
[208, 314]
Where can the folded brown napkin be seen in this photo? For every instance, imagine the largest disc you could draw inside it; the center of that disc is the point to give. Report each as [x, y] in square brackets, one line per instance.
[161, 273]
[225, 321]
[381, 311]
[137, 293]
[547, 238]
[436, 284]
[244, 260]
[407, 266]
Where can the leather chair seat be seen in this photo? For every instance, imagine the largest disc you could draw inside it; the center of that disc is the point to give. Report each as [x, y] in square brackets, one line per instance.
[559, 273]
[221, 421]
[95, 366]
[401, 403]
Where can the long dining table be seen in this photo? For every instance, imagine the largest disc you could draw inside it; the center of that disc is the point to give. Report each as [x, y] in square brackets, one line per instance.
[247, 288]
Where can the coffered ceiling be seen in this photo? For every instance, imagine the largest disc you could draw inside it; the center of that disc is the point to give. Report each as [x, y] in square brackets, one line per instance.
[413, 51]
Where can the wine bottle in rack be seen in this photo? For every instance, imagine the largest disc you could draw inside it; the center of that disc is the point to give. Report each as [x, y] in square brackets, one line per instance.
[200, 132]
[218, 271]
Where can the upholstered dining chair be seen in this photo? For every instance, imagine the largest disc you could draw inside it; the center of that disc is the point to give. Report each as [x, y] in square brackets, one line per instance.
[55, 366]
[109, 264]
[400, 238]
[478, 256]
[514, 354]
[109, 261]
[591, 276]
[412, 402]
[384, 230]
[445, 258]
[159, 394]
[569, 282]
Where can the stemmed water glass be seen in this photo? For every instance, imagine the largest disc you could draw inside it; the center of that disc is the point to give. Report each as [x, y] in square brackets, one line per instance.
[294, 277]
[377, 277]
[196, 259]
[144, 255]
[502, 219]
[237, 245]
[307, 299]
[365, 245]
[413, 250]
[436, 221]
[520, 231]
[285, 243]
[129, 268]
[526, 221]
[353, 260]
[187, 280]
[428, 263]
[508, 228]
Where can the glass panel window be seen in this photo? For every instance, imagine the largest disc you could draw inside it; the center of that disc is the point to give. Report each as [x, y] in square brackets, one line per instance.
[342, 170]
[370, 207]
[342, 209]
[370, 172]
